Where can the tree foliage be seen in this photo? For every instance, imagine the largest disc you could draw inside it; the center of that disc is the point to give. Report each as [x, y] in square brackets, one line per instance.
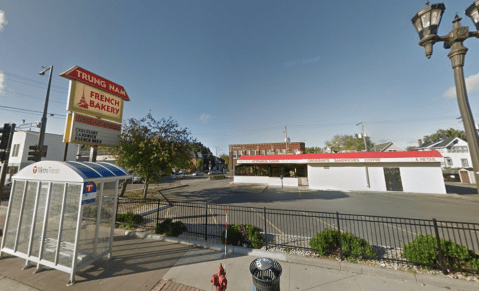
[150, 147]
[226, 159]
[347, 142]
[445, 133]
[312, 150]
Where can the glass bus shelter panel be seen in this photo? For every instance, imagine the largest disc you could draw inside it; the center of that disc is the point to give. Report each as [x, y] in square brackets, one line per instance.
[87, 230]
[106, 216]
[12, 226]
[27, 217]
[70, 217]
[37, 232]
[53, 222]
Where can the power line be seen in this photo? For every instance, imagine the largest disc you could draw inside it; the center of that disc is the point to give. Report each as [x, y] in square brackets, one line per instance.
[29, 111]
[42, 87]
[34, 81]
[29, 96]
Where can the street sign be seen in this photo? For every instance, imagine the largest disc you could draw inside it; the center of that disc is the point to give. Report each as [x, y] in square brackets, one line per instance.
[89, 78]
[89, 100]
[84, 129]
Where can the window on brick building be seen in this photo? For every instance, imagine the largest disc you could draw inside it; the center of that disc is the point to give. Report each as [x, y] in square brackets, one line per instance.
[276, 152]
[295, 151]
[253, 152]
[261, 152]
[248, 152]
[235, 155]
[283, 151]
[240, 153]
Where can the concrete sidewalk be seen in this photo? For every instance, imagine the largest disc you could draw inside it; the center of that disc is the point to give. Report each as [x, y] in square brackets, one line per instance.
[197, 265]
[151, 264]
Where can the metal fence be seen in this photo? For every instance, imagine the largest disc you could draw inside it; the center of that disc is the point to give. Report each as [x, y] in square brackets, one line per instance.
[288, 230]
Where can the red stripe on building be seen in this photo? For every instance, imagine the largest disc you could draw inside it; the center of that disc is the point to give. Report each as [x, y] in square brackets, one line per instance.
[361, 155]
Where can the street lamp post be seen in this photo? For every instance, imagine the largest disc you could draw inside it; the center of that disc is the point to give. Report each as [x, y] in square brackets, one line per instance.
[41, 137]
[426, 23]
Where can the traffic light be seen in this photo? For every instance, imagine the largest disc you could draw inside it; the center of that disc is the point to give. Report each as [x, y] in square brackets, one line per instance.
[33, 154]
[6, 131]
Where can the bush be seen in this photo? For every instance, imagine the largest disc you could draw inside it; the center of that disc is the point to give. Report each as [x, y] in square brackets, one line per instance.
[129, 218]
[327, 242]
[170, 228]
[423, 249]
[238, 234]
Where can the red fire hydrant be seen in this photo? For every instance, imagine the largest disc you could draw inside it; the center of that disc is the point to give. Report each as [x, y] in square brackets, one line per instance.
[219, 279]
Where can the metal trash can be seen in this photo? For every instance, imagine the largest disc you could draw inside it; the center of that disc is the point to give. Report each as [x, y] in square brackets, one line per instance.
[266, 274]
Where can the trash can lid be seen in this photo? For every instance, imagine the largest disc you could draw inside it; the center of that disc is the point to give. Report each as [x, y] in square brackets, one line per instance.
[264, 263]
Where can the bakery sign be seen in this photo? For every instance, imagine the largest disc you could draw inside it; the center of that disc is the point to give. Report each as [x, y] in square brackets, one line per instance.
[83, 129]
[94, 95]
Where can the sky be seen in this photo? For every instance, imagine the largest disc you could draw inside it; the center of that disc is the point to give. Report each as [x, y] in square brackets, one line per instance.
[237, 72]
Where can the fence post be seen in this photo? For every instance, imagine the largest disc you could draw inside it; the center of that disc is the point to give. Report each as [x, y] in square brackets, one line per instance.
[158, 213]
[441, 256]
[339, 235]
[117, 204]
[206, 222]
[265, 233]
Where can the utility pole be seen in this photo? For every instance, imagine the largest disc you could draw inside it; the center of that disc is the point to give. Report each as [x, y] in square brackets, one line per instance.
[286, 138]
[364, 136]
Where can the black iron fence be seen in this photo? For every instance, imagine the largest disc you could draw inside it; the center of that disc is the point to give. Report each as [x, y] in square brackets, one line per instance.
[292, 230]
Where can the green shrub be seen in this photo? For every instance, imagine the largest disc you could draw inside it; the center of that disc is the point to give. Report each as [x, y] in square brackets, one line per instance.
[423, 249]
[327, 242]
[238, 234]
[129, 218]
[170, 228]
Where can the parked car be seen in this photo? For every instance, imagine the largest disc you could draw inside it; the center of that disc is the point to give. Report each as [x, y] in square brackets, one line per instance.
[184, 172]
[136, 179]
[198, 173]
[177, 175]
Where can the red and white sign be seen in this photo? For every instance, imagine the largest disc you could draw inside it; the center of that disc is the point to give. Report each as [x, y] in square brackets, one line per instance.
[85, 129]
[92, 101]
[360, 157]
[89, 78]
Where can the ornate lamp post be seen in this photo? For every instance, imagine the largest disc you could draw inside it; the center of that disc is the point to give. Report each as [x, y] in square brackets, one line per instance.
[426, 23]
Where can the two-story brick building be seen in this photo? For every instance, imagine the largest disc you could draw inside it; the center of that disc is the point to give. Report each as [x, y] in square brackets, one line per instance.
[277, 148]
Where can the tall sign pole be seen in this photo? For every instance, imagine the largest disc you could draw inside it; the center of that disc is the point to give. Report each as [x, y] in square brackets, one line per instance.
[41, 137]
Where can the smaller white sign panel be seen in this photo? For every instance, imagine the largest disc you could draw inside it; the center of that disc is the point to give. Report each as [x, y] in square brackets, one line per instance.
[83, 129]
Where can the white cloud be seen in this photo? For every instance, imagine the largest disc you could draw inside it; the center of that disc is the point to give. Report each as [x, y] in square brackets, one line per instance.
[205, 117]
[472, 85]
[2, 82]
[3, 20]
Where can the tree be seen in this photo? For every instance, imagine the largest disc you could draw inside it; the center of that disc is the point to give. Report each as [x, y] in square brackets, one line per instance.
[348, 142]
[199, 164]
[226, 159]
[312, 150]
[150, 147]
[445, 133]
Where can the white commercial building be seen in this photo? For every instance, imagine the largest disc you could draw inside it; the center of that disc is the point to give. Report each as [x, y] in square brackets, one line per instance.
[409, 171]
[21, 142]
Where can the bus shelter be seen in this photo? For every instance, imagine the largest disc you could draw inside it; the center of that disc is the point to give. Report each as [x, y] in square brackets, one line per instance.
[62, 214]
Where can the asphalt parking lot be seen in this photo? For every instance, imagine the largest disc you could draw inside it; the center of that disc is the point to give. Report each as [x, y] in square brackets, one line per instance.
[447, 207]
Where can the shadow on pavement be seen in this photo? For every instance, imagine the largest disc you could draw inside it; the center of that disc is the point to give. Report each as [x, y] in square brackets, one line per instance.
[459, 189]
[232, 194]
[138, 264]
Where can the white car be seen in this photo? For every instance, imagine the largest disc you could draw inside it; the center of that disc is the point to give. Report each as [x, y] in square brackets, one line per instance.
[176, 176]
[136, 179]
[198, 173]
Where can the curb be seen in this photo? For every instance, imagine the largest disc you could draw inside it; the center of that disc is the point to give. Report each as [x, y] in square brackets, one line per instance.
[439, 281]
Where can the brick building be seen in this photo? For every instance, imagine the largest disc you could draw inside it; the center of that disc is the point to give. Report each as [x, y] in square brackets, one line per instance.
[277, 148]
